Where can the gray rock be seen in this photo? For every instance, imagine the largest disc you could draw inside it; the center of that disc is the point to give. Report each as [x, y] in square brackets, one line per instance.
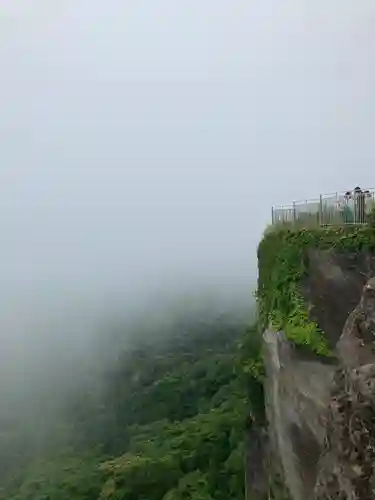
[321, 417]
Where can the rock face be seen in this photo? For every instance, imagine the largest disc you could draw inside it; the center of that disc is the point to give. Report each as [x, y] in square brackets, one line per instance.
[347, 464]
[333, 287]
[255, 462]
[322, 417]
[356, 345]
[297, 399]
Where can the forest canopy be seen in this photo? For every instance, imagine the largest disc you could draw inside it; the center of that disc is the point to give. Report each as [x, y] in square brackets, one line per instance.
[163, 421]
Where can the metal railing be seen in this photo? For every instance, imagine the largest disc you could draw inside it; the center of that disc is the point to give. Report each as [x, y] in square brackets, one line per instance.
[349, 207]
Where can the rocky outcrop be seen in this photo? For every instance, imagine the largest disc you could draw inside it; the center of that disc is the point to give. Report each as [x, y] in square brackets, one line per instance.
[356, 345]
[333, 286]
[322, 417]
[297, 399]
[347, 464]
[346, 467]
[256, 462]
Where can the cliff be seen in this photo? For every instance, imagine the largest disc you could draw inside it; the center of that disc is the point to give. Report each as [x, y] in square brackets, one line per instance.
[317, 314]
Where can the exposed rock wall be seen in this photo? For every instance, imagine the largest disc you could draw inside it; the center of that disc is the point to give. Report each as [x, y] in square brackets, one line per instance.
[347, 464]
[322, 417]
[297, 398]
[333, 285]
[256, 452]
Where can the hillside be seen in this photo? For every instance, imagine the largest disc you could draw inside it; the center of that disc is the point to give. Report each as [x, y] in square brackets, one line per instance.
[165, 420]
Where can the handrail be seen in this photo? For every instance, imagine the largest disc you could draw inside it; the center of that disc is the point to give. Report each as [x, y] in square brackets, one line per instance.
[341, 208]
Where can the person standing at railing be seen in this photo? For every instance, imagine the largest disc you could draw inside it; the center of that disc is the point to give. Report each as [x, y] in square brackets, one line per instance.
[369, 204]
[340, 207]
[359, 205]
[347, 212]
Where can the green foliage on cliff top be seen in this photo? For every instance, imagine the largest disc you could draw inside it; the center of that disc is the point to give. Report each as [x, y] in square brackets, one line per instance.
[282, 258]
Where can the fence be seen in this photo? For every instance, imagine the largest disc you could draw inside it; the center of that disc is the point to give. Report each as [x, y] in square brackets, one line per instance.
[350, 207]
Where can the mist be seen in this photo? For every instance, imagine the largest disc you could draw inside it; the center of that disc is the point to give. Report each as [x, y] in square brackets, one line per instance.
[144, 143]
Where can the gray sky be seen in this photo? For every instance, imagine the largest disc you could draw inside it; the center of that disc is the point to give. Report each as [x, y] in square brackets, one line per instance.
[144, 142]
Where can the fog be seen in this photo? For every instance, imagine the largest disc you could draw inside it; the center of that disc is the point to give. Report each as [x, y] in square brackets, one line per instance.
[144, 143]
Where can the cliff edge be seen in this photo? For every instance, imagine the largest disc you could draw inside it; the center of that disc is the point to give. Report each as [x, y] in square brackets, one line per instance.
[316, 300]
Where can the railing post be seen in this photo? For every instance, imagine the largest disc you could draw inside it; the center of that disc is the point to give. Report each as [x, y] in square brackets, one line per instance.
[294, 212]
[273, 216]
[320, 210]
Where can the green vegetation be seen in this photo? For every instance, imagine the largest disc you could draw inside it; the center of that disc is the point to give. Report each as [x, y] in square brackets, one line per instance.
[282, 256]
[371, 218]
[166, 422]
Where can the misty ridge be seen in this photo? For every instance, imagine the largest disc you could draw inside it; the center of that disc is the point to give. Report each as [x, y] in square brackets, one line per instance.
[83, 288]
[68, 275]
[59, 343]
[71, 391]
